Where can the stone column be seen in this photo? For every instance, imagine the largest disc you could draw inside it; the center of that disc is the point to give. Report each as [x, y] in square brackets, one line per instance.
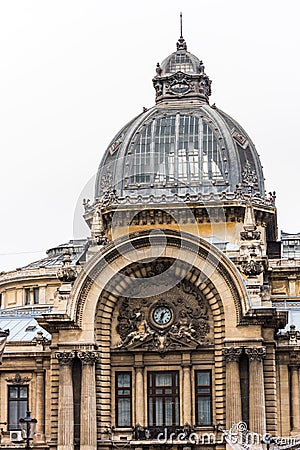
[187, 394]
[233, 386]
[139, 395]
[40, 405]
[88, 413]
[257, 409]
[65, 438]
[295, 398]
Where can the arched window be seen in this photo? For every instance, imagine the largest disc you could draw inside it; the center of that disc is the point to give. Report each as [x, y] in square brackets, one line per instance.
[176, 150]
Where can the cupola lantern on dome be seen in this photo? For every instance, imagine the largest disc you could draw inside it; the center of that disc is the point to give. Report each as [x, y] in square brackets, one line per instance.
[181, 76]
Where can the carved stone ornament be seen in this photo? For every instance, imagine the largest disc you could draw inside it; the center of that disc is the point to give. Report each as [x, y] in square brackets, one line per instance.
[186, 324]
[65, 358]
[102, 239]
[255, 353]
[232, 353]
[240, 138]
[250, 235]
[88, 357]
[18, 379]
[179, 84]
[66, 273]
[249, 176]
[116, 144]
[109, 197]
[106, 180]
[252, 268]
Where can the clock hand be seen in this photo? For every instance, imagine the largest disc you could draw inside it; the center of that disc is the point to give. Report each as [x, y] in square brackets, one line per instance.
[162, 315]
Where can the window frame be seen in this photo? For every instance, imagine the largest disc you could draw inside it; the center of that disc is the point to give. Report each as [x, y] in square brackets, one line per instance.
[17, 399]
[36, 295]
[27, 296]
[199, 395]
[173, 395]
[121, 396]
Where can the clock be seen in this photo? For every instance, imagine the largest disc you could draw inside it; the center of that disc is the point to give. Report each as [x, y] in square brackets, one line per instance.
[162, 315]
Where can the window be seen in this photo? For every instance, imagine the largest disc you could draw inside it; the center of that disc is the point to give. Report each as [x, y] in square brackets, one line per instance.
[163, 399]
[181, 149]
[17, 405]
[35, 295]
[27, 296]
[123, 399]
[203, 397]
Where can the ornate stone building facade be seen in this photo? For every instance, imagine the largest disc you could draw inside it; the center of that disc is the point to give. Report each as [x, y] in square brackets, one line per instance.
[171, 317]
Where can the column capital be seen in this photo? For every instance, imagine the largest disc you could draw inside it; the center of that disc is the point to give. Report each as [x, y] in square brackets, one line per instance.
[88, 357]
[65, 358]
[232, 353]
[255, 353]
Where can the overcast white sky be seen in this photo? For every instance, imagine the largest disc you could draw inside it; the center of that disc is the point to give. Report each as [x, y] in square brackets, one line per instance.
[72, 73]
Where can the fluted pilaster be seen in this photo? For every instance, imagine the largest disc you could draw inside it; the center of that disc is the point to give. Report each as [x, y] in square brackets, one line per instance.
[88, 422]
[65, 438]
[233, 386]
[257, 409]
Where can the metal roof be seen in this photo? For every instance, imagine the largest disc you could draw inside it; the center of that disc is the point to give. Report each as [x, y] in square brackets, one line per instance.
[22, 329]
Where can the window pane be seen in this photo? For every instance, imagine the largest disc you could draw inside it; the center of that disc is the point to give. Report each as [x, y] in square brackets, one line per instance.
[123, 399]
[35, 295]
[164, 379]
[13, 415]
[124, 412]
[203, 378]
[13, 391]
[23, 391]
[159, 412]
[123, 379]
[203, 397]
[22, 408]
[204, 411]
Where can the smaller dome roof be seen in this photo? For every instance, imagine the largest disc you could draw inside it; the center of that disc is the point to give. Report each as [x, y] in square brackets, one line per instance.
[181, 75]
[181, 61]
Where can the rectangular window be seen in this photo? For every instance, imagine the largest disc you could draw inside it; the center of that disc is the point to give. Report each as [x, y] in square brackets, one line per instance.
[35, 295]
[203, 398]
[17, 405]
[123, 399]
[163, 399]
[27, 296]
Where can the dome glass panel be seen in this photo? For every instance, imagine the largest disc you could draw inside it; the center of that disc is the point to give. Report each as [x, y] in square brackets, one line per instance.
[175, 150]
[180, 62]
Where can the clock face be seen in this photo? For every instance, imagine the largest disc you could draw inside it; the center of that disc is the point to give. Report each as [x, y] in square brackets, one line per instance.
[162, 315]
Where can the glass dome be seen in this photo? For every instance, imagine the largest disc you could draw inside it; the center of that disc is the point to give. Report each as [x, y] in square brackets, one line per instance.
[182, 145]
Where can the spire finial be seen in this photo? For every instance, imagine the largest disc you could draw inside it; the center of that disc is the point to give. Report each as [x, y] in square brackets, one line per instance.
[181, 25]
[181, 44]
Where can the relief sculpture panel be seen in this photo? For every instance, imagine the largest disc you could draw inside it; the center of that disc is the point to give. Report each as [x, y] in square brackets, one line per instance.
[177, 319]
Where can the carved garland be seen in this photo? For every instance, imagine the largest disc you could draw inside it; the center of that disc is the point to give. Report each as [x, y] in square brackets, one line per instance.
[18, 379]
